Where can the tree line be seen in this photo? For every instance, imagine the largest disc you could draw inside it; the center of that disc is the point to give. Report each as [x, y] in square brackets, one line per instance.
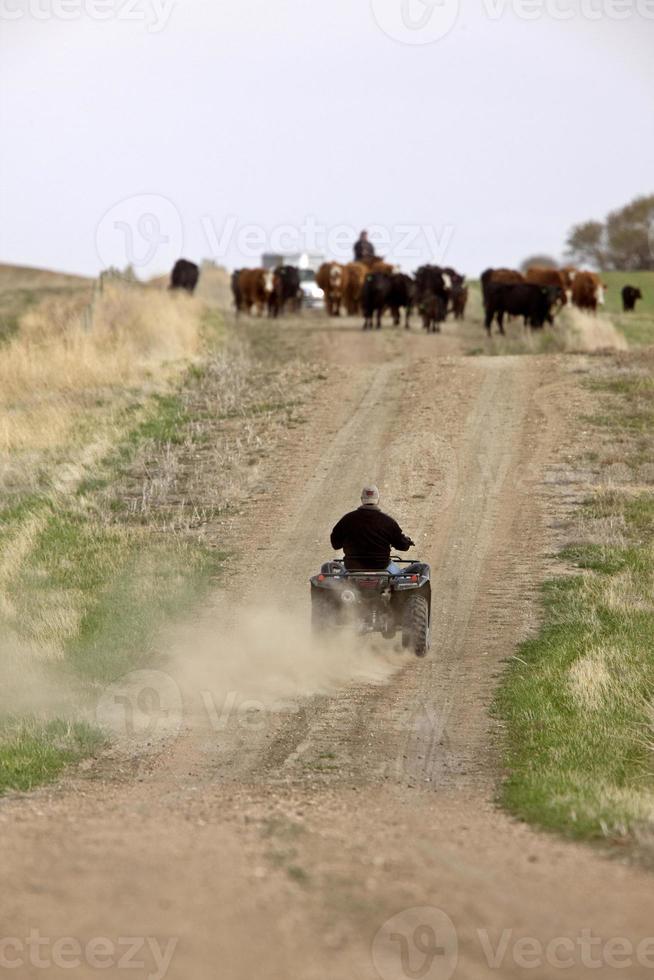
[624, 240]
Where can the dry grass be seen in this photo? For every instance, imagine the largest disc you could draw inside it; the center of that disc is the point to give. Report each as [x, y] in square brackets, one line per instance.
[585, 332]
[214, 286]
[574, 331]
[589, 678]
[54, 368]
[228, 420]
[64, 391]
[81, 602]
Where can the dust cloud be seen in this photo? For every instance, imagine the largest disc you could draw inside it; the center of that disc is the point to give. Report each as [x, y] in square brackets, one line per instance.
[266, 658]
[588, 332]
[238, 667]
[31, 685]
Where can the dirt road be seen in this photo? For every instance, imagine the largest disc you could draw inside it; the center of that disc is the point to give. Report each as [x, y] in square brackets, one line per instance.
[329, 813]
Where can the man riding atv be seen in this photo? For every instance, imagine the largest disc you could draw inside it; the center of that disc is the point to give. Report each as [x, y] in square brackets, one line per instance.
[368, 592]
[367, 535]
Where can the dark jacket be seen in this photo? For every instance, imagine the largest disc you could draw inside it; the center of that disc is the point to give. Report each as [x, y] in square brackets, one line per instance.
[367, 535]
[363, 249]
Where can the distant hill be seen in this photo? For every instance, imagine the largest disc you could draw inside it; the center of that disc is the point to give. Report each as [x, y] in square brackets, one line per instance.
[22, 287]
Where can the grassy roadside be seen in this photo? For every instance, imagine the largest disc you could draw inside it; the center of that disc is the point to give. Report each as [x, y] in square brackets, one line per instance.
[99, 552]
[83, 600]
[82, 593]
[22, 288]
[577, 700]
[34, 752]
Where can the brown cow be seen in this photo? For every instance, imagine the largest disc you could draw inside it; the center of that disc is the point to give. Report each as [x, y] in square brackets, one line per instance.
[354, 276]
[256, 288]
[568, 272]
[370, 260]
[378, 265]
[330, 278]
[506, 275]
[588, 291]
[545, 276]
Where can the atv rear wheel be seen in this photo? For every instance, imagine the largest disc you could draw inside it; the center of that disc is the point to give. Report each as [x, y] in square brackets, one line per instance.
[415, 625]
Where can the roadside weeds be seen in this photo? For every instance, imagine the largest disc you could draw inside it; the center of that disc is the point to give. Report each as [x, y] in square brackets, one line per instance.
[577, 699]
[110, 542]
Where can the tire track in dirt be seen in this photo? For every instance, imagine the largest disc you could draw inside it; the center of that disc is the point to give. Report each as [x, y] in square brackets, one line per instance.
[429, 726]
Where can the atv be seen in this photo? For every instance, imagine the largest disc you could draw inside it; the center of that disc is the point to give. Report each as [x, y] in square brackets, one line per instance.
[375, 602]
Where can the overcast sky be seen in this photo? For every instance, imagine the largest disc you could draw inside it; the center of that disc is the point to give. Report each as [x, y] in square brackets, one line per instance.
[139, 130]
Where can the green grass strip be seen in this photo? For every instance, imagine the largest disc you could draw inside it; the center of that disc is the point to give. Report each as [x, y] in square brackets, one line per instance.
[34, 752]
[577, 699]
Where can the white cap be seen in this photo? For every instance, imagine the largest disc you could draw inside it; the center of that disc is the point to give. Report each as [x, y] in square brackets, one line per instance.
[370, 495]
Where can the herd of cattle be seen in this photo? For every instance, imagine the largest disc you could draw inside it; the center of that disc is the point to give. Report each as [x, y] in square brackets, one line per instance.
[538, 294]
[372, 287]
[542, 291]
[368, 288]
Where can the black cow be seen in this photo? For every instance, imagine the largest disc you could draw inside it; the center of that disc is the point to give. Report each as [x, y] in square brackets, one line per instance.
[236, 290]
[433, 310]
[433, 291]
[374, 297]
[286, 290]
[629, 296]
[458, 292]
[459, 301]
[185, 275]
[498, 275]
[534, 303]
[401, 296]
